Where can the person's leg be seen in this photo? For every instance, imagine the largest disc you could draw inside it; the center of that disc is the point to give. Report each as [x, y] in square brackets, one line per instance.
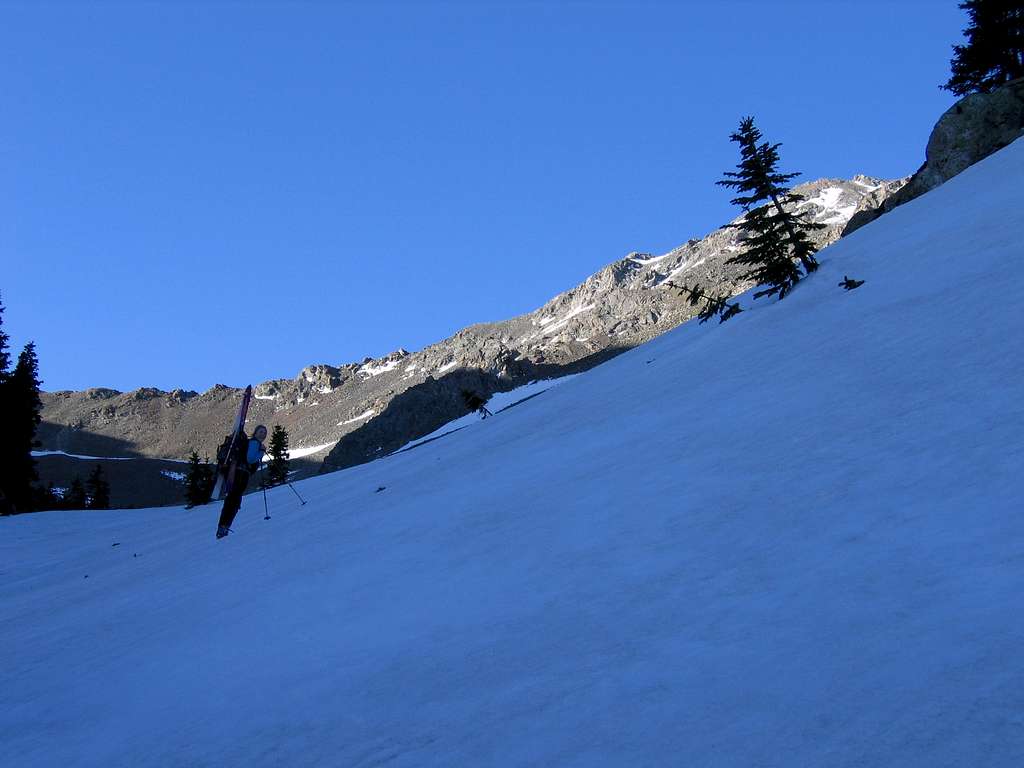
[233, 501]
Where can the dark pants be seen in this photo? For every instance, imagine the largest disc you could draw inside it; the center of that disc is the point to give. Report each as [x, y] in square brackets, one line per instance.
[234, 498]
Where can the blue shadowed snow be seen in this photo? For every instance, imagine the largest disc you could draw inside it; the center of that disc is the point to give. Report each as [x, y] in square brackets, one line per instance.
[794, 539]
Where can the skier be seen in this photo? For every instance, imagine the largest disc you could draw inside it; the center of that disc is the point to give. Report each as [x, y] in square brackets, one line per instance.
[246, 463]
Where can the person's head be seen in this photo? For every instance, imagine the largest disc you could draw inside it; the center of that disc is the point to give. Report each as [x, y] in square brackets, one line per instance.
[260, 433]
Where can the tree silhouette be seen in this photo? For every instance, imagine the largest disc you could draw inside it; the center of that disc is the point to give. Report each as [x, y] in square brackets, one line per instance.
[774, 235]
[994, 53]
[277, 467]
[98, 489]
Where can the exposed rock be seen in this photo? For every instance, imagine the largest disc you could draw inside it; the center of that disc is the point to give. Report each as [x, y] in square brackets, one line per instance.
[971, 130]
[364, 410]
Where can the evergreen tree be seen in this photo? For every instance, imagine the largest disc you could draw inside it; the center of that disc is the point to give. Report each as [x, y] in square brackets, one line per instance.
[994, 53]
[714, 306]
[74, 496]
[198, 482]
[98, 489]
[475, 403]
[277, 468]
[774, 234]
[5, 358]
[21, 409]
[47, 498]
[6, 414]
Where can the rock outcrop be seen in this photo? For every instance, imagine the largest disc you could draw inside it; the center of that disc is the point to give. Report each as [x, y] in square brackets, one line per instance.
[971, 130]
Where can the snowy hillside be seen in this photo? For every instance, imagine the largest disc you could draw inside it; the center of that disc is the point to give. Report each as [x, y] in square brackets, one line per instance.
[794, 539]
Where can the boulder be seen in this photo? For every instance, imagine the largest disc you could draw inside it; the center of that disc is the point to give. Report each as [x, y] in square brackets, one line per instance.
[971, 130]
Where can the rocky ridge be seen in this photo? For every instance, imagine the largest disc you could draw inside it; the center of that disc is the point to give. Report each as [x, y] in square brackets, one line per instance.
[351, 413]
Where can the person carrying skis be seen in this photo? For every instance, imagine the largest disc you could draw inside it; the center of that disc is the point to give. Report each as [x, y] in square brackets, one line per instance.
[246, 462]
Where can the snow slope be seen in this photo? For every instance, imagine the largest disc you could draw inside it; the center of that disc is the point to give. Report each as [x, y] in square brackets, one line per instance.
[795, 539]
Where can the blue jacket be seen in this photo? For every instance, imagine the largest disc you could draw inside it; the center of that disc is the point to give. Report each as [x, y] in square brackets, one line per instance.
[254, 455]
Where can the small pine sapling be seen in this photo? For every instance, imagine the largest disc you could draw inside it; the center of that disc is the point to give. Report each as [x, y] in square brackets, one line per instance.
[277, 467]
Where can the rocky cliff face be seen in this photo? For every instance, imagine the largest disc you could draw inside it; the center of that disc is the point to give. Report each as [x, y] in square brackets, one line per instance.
[971, 130]
[352, 413]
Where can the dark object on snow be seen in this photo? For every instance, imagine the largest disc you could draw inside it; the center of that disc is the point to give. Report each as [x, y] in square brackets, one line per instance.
[475, 403]
[849, 284]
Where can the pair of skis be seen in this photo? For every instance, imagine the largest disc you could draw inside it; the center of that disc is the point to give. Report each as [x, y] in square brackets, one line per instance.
[226, 472]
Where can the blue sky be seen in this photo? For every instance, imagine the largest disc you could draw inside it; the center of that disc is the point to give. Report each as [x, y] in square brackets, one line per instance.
[199, 193]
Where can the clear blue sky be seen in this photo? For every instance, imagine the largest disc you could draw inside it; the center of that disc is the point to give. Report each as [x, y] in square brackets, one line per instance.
[367, 176]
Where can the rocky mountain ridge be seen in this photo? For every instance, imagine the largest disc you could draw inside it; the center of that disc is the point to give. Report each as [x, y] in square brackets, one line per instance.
[350, 413]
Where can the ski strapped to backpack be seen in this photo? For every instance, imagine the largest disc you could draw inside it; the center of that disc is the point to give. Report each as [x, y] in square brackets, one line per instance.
[227, 454]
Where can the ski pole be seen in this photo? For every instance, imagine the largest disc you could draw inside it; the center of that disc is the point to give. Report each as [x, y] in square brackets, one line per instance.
[296, 493]
[266, 509]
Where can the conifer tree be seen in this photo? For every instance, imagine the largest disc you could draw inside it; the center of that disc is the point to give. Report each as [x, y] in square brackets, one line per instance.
[277, 468]
[994, 53]
[198, 482]
[6, 414]
[475, 403]
[98, 489]
[5, 358]
[74, 496]
[714, 305]
[775, 235]
[21, 409]
[47, 498]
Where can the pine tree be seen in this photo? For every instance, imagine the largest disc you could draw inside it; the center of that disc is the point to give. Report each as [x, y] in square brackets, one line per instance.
[198, 482]
[277, 468]
[47, 498]
[475, 403]
[98, 489]
[6, 414]
[5, 358]
[21, 409]
[994, 53]
[74, 496]
[774, 234]
[714, 306]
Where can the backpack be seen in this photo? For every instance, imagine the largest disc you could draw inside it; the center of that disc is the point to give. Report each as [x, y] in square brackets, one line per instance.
[239, 450]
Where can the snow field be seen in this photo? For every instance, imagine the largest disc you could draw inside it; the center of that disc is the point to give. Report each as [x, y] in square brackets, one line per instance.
[794, 539]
